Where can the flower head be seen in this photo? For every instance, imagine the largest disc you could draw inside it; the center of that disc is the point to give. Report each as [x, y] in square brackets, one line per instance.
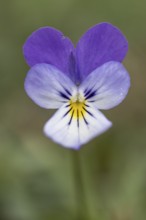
[79, 81]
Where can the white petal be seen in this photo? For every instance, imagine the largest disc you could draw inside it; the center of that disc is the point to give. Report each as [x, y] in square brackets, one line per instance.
[48, 87]
[107, 85]
[72, 132]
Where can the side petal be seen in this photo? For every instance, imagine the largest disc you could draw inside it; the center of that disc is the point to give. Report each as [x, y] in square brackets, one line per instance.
[100, 44]
[72, 131]
[106, 86]
[48, 45]
[48, 87]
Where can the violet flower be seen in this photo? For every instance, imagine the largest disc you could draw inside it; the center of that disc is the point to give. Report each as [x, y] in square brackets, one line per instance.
[77, 81]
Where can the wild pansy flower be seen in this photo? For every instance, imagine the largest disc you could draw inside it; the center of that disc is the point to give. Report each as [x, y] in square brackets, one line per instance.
[77, 81]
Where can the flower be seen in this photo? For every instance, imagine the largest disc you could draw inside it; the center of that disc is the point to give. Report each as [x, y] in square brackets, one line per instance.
[79, 81]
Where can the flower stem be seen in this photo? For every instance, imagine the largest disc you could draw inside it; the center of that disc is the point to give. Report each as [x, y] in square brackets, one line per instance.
[81, 205]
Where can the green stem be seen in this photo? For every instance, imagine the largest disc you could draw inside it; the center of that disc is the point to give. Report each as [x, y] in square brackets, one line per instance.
[82, 209]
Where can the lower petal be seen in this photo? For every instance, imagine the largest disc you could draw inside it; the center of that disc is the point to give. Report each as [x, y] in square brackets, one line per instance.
[107, 86]
[47, 86]
[72, 130]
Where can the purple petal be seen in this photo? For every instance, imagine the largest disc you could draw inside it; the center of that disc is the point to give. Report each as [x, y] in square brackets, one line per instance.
[48, 45]
[106, 86]
[100, 44]
[48, 87]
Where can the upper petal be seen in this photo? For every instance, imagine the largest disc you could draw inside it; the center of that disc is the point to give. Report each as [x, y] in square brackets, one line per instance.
[100, 44]
[48, 87]
[48, 45]
[106, 86]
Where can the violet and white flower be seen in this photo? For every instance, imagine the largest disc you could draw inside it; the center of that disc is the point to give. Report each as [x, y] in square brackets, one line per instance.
[78, 81]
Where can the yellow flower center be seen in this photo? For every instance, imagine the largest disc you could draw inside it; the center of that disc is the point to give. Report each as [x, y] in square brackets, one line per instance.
[77, 109]
[77, 106]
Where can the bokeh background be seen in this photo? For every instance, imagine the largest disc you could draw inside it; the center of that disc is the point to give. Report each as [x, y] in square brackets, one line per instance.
[37, 178]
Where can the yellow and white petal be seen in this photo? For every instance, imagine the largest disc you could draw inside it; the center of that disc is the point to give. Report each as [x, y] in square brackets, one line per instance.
[76, 124]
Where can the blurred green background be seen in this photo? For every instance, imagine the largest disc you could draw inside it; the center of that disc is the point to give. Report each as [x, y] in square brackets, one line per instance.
[36, 175]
